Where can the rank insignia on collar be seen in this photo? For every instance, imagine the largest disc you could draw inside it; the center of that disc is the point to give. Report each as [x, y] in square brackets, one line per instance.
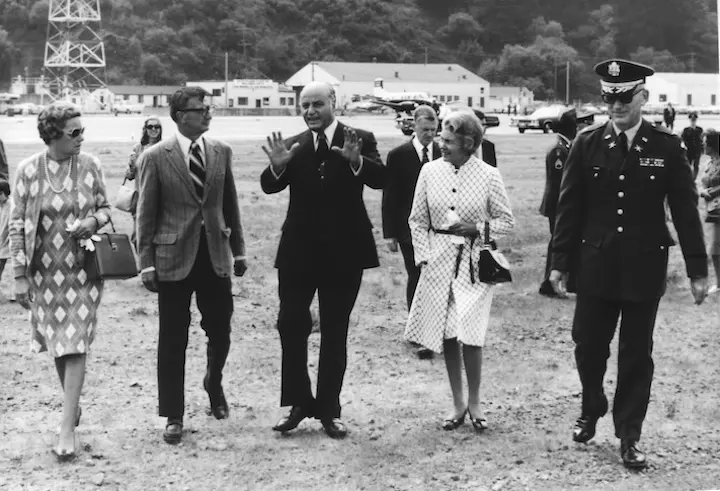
[558, 164]
[644, 139]
[607, 137]
[612, 145]
[638, 148]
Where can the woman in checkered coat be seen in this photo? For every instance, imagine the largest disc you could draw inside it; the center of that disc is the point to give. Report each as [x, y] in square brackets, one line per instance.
[454, 197]
[59, 201]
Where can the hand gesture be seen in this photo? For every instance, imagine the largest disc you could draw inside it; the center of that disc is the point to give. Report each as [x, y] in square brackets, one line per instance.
[698, 286]
[559, 281]
[277, 153]
[22, 292]
[352, 148]
[392, 245]
[239, 267]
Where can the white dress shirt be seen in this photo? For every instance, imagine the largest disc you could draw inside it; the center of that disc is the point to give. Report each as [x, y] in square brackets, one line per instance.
[419, 149]
[185, 143]
[629, 133]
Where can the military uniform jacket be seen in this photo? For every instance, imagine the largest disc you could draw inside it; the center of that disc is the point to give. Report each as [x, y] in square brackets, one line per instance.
[612, 210]
[554, 164]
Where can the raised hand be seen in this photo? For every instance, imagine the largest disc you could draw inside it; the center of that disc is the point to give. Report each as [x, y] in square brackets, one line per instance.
[278, 154]
[352, 147]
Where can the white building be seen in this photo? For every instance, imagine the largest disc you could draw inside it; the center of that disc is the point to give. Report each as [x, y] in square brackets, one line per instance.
[502, 96]
[447, 82]
[148, 95]
[256, 94]
[683, 89]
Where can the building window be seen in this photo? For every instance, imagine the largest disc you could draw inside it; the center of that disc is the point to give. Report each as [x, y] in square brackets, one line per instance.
[291, 101]
[442, 98]
[449, 98]
[230, 102]
[242, 101]
[266, 101]
[713, 99]
[457, 97]
[663, 98]
[141, 98]
[282, 101]
[216, 92]
[482, 90]
[470, 101]
[126, 97]
[482, 102]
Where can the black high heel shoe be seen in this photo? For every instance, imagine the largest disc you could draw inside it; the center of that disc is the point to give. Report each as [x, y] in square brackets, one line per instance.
[480, 424]
[453, 424]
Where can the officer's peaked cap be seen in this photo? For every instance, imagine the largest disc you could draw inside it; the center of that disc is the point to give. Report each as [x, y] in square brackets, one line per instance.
[619, 76]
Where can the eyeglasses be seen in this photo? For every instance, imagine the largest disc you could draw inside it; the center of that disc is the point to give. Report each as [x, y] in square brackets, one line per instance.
[76, 133]
[622, 98]
[207, 110]
[153, 127]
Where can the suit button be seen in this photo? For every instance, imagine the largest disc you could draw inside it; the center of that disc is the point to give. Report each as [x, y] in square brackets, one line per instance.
[620, 211]
[452, 208]
[454, 190]
[620, 229]
[621, 194]
[652, 178]
[622, 177]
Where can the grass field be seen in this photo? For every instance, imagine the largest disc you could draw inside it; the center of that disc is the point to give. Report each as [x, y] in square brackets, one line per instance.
[393, 403]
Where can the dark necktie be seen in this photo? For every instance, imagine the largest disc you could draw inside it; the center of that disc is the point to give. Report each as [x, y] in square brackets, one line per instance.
[623, 143]
[425, 158]
[197, 168]
[321, 152]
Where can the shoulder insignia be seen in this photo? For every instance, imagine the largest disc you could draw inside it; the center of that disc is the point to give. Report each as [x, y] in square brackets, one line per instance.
[661, 129]
[591, 128]
[558, 164]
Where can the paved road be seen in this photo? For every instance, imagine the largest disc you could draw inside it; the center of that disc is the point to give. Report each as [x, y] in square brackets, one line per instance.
[22, 129]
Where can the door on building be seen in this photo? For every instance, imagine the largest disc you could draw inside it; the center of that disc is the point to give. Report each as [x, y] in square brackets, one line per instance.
[470, 101]
[258, 103]
[689, 100]
[155, 101]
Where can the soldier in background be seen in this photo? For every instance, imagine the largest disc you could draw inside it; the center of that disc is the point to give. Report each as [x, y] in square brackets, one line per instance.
[610, 211]
[692, 137]
[555, 158]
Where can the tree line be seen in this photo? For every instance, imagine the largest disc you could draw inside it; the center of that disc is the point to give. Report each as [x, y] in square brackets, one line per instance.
[514, 42]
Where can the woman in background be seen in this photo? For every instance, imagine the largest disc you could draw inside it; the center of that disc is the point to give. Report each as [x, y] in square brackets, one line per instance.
[710, 190]
[59, 201]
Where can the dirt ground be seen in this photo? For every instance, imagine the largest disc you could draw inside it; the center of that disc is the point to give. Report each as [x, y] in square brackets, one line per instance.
[393, 403]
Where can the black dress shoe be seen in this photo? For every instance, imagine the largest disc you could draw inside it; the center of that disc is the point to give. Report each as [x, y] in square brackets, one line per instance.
[334, 427]
[173, 431]
[425, 354]
[293, 419]
[547, 290]
[633, 457]
[584, 429]
[218, 405]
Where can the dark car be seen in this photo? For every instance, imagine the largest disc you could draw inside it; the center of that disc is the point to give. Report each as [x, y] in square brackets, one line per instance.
[546, 118]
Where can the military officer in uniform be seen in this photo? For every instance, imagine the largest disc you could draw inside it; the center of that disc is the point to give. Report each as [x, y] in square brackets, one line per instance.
[555, 158]
[611, 212]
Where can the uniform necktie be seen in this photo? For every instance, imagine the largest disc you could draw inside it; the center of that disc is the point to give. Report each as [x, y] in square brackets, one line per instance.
[197, 168]
[623, 143]
[425, 158]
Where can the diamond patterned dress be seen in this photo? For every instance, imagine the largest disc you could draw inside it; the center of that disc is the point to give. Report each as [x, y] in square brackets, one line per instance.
[65, 307]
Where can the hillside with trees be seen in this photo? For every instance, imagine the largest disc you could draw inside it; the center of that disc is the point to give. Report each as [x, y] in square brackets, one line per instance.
[516, 42]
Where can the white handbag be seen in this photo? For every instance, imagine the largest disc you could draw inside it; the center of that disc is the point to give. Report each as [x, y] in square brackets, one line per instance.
[127, 197]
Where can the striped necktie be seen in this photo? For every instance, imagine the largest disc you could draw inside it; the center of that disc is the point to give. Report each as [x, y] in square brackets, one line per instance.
[425, 158]
[197, 168]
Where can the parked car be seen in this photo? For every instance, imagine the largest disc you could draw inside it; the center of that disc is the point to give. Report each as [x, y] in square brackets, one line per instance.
[26, 108]
[545, 119]
[125, 107]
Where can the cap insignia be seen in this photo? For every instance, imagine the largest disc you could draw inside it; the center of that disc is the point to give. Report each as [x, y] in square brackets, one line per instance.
[614, 69]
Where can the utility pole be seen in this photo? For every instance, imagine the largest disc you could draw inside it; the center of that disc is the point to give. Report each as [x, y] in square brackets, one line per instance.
[426, 53]
[312, 68]
[226, 79]
[567, 82]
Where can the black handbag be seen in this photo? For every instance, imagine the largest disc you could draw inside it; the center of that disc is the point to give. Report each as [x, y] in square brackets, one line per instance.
[113, 257]
[493, 268]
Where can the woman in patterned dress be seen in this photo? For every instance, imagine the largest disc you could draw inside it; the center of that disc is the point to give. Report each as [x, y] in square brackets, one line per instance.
[710, 190]
[454, 197]
[59, 200]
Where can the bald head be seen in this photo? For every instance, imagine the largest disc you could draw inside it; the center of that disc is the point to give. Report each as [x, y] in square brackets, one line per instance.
[317, 101]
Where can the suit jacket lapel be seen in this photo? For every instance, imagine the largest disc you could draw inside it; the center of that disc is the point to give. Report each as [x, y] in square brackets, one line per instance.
[211, 165]
[176, 161]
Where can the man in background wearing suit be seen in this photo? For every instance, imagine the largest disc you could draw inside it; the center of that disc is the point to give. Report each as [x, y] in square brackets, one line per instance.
[487, 148]
[403, 168]
[190, 238]
[554, 164]
[326, 244]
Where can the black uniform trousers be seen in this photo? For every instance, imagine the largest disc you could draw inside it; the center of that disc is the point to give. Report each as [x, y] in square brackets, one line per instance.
[413, 272]
[593, 329]
[337, 290]
[213, 296]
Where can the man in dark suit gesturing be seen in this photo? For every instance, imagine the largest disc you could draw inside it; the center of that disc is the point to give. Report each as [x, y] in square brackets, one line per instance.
[326, 244]
[403, 168]
[190, 238]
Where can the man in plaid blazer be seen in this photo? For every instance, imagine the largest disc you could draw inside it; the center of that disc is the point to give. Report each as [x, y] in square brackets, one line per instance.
[190, 238]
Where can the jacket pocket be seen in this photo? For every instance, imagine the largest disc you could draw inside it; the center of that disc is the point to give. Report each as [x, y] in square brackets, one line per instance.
[165, 239]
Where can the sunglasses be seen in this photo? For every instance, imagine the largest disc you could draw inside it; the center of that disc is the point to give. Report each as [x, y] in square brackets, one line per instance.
[153, 127]
[76, 133]
[207, 110]
[622, 98]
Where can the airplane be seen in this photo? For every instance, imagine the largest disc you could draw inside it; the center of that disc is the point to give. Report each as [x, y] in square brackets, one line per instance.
[379, 93]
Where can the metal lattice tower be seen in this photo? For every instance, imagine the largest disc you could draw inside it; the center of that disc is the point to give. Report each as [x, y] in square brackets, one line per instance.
[74, 52]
